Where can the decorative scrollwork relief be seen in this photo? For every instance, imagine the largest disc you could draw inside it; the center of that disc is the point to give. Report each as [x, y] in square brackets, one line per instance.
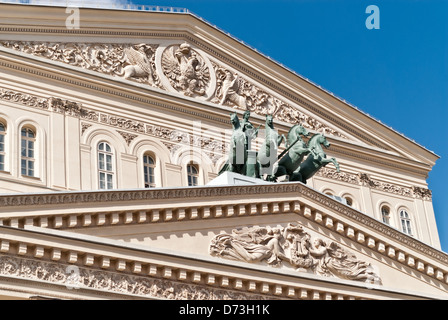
[364, 180]
[292, 245]
[128, 137]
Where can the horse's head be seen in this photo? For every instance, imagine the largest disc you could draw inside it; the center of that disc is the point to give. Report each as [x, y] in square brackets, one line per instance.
[319, 138]
[324, 141]
[301, 130]
[315, 143]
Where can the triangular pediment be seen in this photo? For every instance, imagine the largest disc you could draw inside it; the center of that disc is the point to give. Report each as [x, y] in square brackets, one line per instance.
[186, 56]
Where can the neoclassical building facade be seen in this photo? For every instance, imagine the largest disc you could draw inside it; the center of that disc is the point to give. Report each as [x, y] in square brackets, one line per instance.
[112, 139]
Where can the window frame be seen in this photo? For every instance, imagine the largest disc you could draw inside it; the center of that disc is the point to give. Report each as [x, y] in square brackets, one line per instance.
[405, 222]
[192, 176]
[27, 158]
[385, 217]
[149, 170]
[109, 174]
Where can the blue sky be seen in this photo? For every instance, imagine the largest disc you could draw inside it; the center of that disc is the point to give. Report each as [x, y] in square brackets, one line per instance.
[397, 74]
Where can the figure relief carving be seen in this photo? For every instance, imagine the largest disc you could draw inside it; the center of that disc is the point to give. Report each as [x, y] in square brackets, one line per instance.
[237, 92]
[140, 59]
[176, 67]
[228, 87]
[294, 246]
[186, 70]
[134, 62]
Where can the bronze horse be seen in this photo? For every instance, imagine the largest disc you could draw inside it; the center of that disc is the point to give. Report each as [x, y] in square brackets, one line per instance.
[316, 159]
[296, 150]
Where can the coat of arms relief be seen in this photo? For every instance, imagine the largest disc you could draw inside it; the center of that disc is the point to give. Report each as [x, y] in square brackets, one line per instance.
[175, 67]
[186, 70]
[292, 246]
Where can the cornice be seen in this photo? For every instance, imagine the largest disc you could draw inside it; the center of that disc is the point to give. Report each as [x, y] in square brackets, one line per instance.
[268, 191]
[145, 272]
[107, 267]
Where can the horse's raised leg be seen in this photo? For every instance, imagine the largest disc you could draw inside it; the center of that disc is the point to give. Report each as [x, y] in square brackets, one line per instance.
[336, 164]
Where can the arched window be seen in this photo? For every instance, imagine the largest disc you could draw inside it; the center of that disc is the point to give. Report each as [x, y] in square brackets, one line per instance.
[193, 174]
[27, 154]
[349, 201]
[405, 222]
[385, 217]
[105, 166]
[2, 146]
[149, 166]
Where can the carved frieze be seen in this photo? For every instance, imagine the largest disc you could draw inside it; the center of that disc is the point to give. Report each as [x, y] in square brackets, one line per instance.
[292, 245]
[69, 108]
[134, 62]
[179, 68]
[105, 281]
[237, 92]
[340, 176]
[24, 99]
[211, 146]
[364, 180]
[422, 193]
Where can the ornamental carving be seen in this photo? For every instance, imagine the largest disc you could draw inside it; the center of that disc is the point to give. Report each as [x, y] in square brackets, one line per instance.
[115, 282]
[236, 92]
[364, 180]
[134, 62]
[179, 68]
[24, 99]
[292, 245]
[128, 137]
[186, 70]
[340, 176]
[422, 193]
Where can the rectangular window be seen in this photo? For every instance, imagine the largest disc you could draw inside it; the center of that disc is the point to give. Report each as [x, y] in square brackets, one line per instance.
[27, 145]
[105, 167]
[148, 171]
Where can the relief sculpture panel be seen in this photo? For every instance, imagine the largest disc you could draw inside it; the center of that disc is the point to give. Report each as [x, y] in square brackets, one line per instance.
[178, 68]
[186, 70]
[129, 61]
[292, 246]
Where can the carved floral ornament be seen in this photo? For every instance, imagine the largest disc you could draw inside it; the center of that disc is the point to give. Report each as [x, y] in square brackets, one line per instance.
[178, 68]
[294, 247]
